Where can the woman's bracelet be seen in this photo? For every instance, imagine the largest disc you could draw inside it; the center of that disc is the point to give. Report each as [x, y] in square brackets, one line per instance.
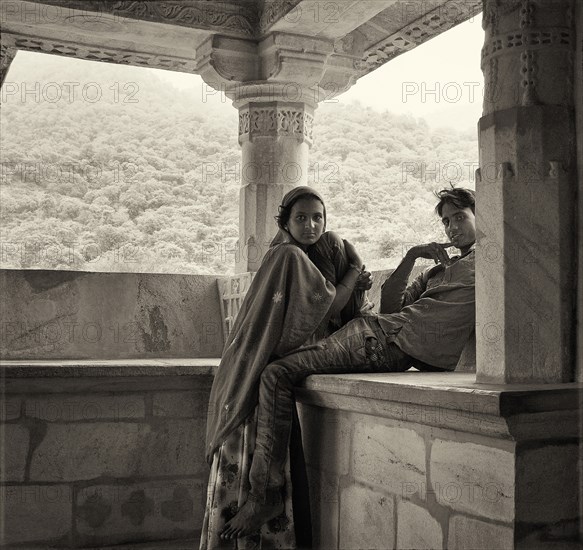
[354, 266]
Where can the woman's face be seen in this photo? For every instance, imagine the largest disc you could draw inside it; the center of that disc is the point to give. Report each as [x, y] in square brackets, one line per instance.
[306, 221]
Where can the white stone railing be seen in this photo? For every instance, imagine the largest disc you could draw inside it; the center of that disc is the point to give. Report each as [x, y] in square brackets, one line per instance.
[232, 291]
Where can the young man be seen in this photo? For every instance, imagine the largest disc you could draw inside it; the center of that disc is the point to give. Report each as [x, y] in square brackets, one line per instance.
[425, 324]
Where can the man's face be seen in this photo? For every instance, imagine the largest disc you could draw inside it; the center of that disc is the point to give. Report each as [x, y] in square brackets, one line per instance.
[459, 225]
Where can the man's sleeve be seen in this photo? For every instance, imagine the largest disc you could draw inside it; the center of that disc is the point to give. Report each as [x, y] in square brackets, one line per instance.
[417, 287]
[395, 294]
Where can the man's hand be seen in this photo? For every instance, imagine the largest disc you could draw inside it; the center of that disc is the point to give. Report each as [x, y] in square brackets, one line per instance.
[430, 251]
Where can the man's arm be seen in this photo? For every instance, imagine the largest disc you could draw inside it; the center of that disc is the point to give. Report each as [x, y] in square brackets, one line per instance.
[395, 294]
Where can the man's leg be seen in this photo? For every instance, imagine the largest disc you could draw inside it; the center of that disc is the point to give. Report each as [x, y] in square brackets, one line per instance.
[359, 346]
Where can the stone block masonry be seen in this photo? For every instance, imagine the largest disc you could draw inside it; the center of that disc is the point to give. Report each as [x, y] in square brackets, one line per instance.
[437, 461]
[103, 453]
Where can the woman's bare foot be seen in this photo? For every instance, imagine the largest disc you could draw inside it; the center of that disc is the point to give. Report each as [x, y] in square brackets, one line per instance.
[250, 518]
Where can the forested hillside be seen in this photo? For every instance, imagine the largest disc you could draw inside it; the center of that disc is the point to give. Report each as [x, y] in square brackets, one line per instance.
[108, 168]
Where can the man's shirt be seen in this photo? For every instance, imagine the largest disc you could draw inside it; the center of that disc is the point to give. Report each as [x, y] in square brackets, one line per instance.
[432, 318]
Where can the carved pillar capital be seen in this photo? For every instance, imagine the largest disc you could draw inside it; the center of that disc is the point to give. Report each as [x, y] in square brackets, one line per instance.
[276, 110]
[276, 120]
[521, 36]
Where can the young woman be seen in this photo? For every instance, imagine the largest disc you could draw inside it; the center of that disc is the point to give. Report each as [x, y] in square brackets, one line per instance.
[309, 284]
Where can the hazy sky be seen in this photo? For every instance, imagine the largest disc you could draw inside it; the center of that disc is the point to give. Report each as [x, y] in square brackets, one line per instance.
[440, 80]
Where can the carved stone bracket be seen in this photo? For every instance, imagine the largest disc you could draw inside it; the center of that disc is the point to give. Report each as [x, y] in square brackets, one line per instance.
[6, 56]
[340, 75]
[276, 120]
[282, 67]
[292, 58]
[97, 53]
[224, 62]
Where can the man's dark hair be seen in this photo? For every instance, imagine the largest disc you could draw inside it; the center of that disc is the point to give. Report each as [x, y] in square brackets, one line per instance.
[458, 196]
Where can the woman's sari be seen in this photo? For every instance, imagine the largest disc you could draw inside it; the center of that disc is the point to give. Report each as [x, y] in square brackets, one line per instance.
[286, 307]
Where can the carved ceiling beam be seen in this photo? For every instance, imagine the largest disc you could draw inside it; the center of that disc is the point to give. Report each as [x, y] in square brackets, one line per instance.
[410, 35]
[228, 17]
[300, 42]
[319, 18]
[122, 56]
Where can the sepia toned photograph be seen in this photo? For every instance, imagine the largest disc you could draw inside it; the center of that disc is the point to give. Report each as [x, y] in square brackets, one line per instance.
[291, 274]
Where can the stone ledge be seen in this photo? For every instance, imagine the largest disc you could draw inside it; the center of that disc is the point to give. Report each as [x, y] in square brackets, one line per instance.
[87, 368]
[453, 401]
[190, 544]
[449, 389]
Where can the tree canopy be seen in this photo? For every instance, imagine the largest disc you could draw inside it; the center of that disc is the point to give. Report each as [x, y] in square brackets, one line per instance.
[109, 168]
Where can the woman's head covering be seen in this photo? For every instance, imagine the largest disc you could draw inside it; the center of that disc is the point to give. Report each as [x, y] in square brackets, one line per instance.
[287, 202]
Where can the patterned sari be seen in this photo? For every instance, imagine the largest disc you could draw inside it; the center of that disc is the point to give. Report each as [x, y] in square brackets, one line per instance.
[285, 307]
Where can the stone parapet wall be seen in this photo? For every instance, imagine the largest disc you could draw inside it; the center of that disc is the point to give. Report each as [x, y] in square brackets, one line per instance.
[436, 461]
[111, 452]
[48, 315]
[102, 453]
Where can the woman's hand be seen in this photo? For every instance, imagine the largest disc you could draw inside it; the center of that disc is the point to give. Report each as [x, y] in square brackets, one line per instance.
[364, 281]
[352, 254]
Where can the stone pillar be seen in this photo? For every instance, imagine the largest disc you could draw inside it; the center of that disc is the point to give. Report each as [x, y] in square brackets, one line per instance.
[526, 271]
[6, 56]
[275, 134]
[276, 84]
[579, 112]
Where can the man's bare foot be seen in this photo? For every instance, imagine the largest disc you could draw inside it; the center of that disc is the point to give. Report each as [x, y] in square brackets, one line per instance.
[250, 518]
